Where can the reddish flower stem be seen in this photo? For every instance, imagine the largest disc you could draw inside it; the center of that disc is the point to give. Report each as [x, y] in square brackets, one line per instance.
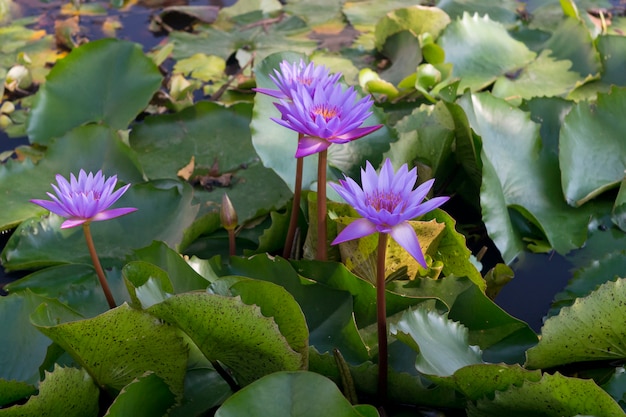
[232, 247]
[96, 263]
[321, 206]
[295, 209]
[381, 309]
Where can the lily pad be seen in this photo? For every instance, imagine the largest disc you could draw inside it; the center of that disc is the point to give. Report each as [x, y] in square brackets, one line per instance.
[551, 396]
[589, 330]
[119, 346]
[592, 139]
[482, 50]
[285, 389]
[217, 140]
[106, 81]
[442, 344]
[68, 392]
[528, 183]
[236, 334]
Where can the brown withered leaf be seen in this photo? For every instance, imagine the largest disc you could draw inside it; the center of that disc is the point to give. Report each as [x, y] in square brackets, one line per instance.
[187, 171]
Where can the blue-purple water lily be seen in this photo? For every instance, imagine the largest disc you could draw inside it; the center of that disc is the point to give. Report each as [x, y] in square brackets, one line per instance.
[326, 115]
[295, 74]
[387, 202]
[85, 199]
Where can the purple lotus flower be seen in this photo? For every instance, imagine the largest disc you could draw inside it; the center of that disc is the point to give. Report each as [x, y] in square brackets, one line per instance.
[386, 202]
[325, 116]
[294, 74]
[85, 200]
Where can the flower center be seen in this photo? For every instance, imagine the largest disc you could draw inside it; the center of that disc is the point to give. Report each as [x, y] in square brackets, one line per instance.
[92, 195]
[383, 201]
[304, 80]
[327, 111]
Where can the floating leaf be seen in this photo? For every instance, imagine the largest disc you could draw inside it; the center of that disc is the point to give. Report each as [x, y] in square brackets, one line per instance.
[484, 380]
[119, 346]
[236, 334]
[481, 50]
[551, 396]
[218, 139]
[572, 41]
[276, 302]
[73, 284]
[91, 85]
[22, 347]
[63, 392]
[591, 329]
[286, 390]
[543, 77]
[12, 391]
[442, 343]
[131, 401]
[587, 279]
[417, 19]
[147, 284]
[529, 182]
[329, 312]
[592, 133]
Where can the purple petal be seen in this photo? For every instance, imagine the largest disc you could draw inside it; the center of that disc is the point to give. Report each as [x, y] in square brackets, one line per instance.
[52, 206]
[271, 93]
[309, 145]
[73, 222]
[427, 206]
[357, 229]
[113, 213]
[358, 133]
[404, 234]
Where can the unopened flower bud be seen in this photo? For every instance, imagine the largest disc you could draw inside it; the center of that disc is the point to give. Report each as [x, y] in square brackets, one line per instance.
[228, 215]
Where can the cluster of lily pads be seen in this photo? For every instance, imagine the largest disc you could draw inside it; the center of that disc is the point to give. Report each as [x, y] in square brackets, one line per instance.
[514, 113]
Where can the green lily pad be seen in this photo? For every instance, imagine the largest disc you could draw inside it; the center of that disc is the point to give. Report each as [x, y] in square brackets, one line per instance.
[591, 329]
[181, 274]
[73, 284]
[286, 389]
[263, 41]
[22, 347]
[591, 139]
[131, 401]
[68, 392]
[543, 77]
[573, 41]
[551, 396]
[119, 346]
[106, 81]
[528, 183]
[236, 334]
[217, 139]
[442, 344]
[328, 312]
[482, 50]
[12, 391]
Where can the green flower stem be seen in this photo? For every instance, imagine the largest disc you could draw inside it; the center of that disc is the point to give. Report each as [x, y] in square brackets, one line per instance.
[96, 264]
[295, 209]
[381, 309]
[321, 206]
